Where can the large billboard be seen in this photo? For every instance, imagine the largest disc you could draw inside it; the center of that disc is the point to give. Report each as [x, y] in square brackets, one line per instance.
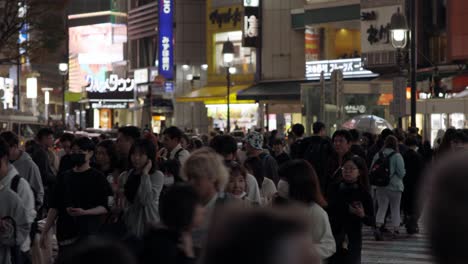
[92, 51]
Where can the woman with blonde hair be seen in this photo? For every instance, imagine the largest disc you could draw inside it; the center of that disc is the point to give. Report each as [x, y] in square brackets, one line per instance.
[205, 170]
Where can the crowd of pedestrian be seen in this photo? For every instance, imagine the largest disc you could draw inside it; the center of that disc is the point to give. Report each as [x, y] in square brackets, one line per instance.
[267, 198]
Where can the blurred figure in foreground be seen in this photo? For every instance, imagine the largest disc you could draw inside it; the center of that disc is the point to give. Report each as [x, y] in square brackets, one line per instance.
[447, 215]
[260, 236]
[97, 251]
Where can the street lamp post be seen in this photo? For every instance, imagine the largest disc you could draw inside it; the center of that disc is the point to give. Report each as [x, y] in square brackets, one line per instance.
[228, 58]
[46, 91]
[63, 70]
[399, 37]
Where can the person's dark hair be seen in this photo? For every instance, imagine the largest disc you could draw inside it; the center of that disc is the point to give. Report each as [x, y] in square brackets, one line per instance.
[411, 141]
[399, 134]
[317, 126]
[109, 146]
[254, 164]
[385, 133]
[235, 169]
[196, 143]
[391, 142]
[83, 143]
[413, 130]
[44, 132]
[10, 138]
[278, 141]
[102, 137]
[172, 166]
[361, 164]
[298, 130]
[355, 135]
[67, 137]
[342, 133]
[147, 147]
[4, 149]
[224, 144]
[97, 251]
[259, 233]
[445, 144]
[177, 206]
[31, 146]
[303, 182]
[370, 138]
[131, 132]
[173, 132]
[459, 136]
[447, 214]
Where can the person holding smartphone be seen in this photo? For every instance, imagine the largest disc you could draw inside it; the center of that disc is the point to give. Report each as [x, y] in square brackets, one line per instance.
[140, 188]
[78, 201]
[350, 206]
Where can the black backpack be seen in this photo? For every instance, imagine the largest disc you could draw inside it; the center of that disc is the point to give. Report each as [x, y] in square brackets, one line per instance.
[379, 174]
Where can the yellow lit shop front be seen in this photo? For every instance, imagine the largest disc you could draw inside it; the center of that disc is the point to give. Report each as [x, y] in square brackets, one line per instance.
[225, 23]
[243, 113]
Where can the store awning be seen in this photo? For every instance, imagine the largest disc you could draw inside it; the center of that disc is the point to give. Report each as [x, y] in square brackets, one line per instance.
[273, 91]
[214, 95]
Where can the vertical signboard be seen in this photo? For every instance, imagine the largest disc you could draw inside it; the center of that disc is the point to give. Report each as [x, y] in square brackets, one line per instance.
[251, 29]
[165, 39]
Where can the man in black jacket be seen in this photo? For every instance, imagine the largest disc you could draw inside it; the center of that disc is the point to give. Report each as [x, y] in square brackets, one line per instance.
[414, 166]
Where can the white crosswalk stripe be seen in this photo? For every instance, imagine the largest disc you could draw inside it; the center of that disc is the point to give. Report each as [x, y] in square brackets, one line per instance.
[403, 250]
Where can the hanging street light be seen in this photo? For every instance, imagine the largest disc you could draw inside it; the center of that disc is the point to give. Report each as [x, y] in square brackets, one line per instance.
[228, 58]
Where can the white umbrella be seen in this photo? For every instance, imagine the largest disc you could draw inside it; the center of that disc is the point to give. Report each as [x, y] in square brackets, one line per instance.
[367, 123]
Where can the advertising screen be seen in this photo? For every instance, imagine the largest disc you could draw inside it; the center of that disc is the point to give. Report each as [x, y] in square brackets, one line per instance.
[92, 50]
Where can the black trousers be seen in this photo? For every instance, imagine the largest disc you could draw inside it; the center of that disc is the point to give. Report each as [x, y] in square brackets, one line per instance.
[352, 233]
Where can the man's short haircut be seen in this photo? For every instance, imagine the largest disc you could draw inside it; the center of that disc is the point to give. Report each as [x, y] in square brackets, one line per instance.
[67, 137]
[411, 141]
[132, 132]
[173, 132]
[385, 133]
[177, 206]
[355, 135]
[44, 132]
[317, 127]
[224, 144]
[10, 138]
[84, 143]
[298, 130]
[342, 133]
[4, 149]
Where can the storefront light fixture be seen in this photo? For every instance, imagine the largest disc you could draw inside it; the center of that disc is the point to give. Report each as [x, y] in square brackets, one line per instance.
[228, 52]
[185, 67]
[63, 68]
[232, 70]
[31, 88]
[204, 67]
[189, 77]
[399, 30]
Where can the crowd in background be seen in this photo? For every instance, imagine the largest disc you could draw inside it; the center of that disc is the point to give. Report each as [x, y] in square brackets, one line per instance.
[265, 198]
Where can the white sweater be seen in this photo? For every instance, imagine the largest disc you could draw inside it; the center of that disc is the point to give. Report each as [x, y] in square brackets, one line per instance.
[321, 232]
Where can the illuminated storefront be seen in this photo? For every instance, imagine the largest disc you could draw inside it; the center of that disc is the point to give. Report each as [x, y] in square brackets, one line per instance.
[227, 21]
[96, 54]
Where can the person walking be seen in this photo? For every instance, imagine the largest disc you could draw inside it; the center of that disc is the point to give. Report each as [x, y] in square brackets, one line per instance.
[390, 195]
[299, 183]
[254, 148]
[349, 207]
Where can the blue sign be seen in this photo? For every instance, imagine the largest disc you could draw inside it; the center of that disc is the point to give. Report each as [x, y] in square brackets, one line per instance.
[169, 87]
[165, 44]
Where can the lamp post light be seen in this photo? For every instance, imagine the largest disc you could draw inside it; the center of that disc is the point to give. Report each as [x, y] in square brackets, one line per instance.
[63, 70]
[31, 92]
[399, 35]
[46, 91]
[228, 58]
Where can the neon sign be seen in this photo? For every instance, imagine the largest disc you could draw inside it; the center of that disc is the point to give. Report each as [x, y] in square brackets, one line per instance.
[351, 68]
[165, 47]
[111, 84]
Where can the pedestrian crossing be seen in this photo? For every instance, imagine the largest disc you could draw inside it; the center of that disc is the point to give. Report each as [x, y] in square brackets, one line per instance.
[405, 249]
